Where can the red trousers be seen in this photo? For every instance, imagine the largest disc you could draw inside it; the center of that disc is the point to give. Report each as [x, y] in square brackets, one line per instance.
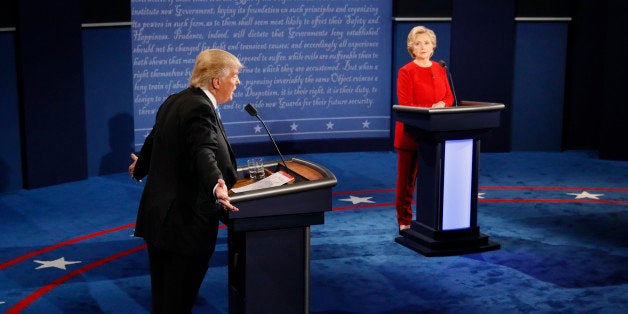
[406, 181]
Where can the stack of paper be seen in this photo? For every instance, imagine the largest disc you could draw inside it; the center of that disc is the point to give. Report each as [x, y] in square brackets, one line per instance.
[276, 179]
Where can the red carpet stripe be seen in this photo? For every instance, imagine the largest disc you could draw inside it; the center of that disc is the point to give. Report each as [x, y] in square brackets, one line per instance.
[551, 188]
[493, 201]
[363, 192]
[45, 289]
[551, 201]
[69, 242]
[496, 187]
[62, 244]
[364, 206]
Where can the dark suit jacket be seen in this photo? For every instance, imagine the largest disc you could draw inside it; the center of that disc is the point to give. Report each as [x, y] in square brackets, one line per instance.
[184, 155]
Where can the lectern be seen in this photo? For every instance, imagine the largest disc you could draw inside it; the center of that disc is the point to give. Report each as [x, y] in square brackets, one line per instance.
[447, 179]
[269, 239]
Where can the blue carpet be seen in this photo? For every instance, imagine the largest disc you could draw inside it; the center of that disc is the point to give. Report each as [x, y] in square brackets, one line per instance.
[562, 250]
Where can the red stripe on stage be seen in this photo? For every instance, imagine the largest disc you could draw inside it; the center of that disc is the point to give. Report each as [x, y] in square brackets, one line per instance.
[62, 244]
[551, 201]
[499, 187]
[363, 192]
[363, 206]
[551, 188]
[45, 289]
[496, 201]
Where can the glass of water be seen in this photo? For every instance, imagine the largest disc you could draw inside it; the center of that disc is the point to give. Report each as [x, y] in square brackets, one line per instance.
[256, 168]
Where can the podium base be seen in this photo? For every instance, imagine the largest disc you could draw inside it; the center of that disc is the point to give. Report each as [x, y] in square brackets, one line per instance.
[445, 243]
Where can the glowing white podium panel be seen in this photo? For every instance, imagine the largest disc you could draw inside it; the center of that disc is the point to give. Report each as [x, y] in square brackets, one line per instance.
[457, 184]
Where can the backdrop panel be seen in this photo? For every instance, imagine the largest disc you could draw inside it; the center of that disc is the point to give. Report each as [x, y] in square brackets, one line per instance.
[10, 154]
[539, 86]
[314, 69]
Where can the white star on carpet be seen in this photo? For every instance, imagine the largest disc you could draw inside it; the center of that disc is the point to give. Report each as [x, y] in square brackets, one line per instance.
[586, 194]
[258, 129]
[357, 200]
[2, 302]
[58, 263]
[293, 126]
[481, 195]
[366, 124]
[330, 125]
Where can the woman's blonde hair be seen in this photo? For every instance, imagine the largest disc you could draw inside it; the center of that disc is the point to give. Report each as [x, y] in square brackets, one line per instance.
[210, 64]
[416, 31]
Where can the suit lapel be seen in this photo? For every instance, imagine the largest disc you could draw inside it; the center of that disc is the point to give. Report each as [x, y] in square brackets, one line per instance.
[224, 134]
[222, 129]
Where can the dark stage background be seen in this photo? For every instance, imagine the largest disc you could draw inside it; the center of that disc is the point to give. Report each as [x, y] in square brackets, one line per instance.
[66, 73]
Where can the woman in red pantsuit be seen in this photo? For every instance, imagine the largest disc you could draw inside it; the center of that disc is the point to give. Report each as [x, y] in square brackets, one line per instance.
[420, 83]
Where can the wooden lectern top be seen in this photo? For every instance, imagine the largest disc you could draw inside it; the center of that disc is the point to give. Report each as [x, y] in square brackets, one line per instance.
[307, 175]
[302, 202]
[303, 170]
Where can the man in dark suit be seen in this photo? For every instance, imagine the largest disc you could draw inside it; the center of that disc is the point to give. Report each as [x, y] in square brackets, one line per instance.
[190, 168]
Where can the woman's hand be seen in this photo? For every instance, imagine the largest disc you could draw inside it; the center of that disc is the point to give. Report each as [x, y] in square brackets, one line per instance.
[440, 104]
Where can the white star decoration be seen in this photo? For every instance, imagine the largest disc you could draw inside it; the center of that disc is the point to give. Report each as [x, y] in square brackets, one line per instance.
[293, 126]
[258, 129]
[357, 200]
[58, 263]
[586, 194]
[330, 125]
[366, 124]
[481, 195]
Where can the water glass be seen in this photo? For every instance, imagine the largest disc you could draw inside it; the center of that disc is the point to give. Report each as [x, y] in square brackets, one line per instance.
[256, 168]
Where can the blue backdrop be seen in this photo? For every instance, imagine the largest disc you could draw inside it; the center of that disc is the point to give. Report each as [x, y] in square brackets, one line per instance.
[313, 69]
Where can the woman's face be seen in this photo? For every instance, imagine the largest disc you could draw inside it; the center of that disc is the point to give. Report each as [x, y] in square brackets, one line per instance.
[422, 47]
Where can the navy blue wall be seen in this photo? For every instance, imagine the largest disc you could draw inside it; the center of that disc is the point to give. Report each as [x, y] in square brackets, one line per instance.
[482, 36]
[50, 89]
[539, 85]
[108, 106]
[108, 99]
[10, 150]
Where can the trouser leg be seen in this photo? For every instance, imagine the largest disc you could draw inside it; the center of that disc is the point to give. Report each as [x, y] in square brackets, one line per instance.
[406, 181]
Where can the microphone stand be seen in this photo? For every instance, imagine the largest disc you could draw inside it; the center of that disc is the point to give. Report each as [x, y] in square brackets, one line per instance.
[253, 112]
[272, 139]
[451, 81]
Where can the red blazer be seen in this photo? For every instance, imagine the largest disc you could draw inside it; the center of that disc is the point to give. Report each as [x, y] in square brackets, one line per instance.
[420, 87]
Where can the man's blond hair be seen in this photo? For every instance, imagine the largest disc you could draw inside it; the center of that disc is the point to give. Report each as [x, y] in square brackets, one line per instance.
[210, 64]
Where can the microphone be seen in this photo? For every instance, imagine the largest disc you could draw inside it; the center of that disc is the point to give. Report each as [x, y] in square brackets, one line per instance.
[451, 81]
[251, 110]
[253, 113]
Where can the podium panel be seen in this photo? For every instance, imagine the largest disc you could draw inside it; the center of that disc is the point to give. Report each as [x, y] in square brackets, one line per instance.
[269, 239]
[447, 180]
[457, 182]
